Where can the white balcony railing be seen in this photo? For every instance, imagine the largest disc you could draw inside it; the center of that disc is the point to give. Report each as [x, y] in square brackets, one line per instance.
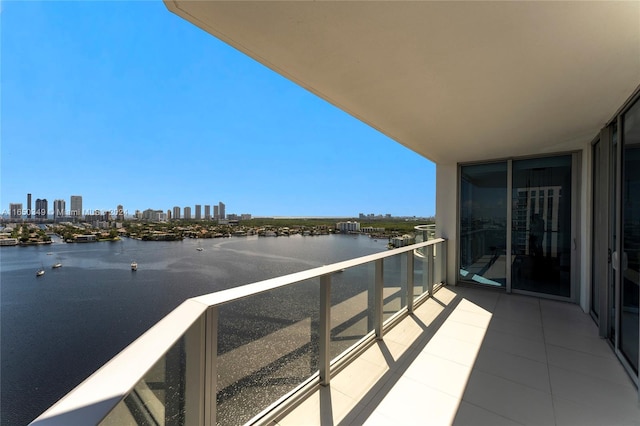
[245, 354]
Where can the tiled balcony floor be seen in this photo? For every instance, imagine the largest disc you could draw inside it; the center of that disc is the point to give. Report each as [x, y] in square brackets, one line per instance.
[477, 357]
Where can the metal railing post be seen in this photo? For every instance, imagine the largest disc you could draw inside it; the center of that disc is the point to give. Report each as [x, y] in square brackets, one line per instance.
[325, 330]
[430, 269]
[211, 366]
[445, 266]
[194, 364]
[410, 283]
[379, 298]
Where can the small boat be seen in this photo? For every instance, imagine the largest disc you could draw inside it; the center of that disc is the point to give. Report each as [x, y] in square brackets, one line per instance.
[134, 266]
[199, 249]
[40, 272]
[56, 265]
[49, 254]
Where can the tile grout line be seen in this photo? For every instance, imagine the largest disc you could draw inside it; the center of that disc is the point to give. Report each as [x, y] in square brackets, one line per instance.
[546, 356]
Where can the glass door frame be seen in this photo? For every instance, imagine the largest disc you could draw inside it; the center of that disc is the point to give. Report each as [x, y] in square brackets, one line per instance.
[610, 323]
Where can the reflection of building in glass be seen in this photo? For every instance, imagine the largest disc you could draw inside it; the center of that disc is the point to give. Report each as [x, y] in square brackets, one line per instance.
[536, 220]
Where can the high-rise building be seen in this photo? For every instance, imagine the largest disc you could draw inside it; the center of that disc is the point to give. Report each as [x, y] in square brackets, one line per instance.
[42, 208]
[15, 210]
[176, 213]
[222, 213]
[28, 206]
[216, 212]
[75, 210]
[59, 207]
[187, 213]
[198, 212]
[120, 213]
[207, 212]
[168, 214]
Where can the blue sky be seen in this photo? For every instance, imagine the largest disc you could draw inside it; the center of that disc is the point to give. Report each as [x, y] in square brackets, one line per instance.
[126, 103]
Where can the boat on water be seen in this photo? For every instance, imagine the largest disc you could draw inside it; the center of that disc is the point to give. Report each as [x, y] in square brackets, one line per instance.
[56, 265]
[134, 266]
[40, 272]
[199, 249]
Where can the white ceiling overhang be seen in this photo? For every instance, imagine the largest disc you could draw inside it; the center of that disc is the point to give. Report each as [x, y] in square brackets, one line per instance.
[453, 81]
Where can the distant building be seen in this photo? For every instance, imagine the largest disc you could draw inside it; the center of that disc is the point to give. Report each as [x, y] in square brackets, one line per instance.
[216, 212]
[28, 206]
[138, 214]
[120, 213]
[348, 226]
[15, 210]
[207, 212]
[187, 213]
[222, 210]
[176, 213]
[245, 216]
[154, 215]
[198, 212]
[168, 214]
[75, 210]
[405, 240]
[42, 208]
[59, 209]
[371, 229]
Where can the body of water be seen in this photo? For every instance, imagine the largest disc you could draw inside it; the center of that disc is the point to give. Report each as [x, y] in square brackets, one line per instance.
[57, 329]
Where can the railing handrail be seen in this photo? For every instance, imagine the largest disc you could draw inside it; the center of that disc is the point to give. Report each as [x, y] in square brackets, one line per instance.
[230, 295]
[96, 396]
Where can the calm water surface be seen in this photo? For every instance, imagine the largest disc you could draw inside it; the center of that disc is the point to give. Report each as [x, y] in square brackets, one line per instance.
[57, 329]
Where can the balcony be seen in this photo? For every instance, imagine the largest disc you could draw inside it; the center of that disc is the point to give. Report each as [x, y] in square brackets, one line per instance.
[471, 356]
[365, 340]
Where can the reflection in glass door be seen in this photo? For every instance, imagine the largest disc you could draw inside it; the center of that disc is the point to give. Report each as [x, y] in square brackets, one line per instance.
[483, 224]
[541, 225]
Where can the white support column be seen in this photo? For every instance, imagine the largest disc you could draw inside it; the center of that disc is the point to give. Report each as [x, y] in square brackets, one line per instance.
[448, 215]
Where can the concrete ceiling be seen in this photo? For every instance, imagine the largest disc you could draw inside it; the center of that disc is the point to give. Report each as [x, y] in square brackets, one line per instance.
[453, 81]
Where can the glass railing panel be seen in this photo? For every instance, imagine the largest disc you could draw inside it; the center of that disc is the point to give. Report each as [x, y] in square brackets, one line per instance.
[395, 284]
[267, 346]
[351, 306]
[169, 392]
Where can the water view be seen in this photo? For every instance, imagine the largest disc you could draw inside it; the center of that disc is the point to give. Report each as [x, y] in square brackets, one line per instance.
[60, 327]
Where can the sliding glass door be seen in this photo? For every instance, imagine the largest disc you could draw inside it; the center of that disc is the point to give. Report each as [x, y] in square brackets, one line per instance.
[516, 228]
[483, 224]
[629, 325]
[541, 232]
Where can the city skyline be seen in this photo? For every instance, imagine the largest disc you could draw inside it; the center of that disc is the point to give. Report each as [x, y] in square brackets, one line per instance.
[59, 211]
[42, 210]
[128, 104]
